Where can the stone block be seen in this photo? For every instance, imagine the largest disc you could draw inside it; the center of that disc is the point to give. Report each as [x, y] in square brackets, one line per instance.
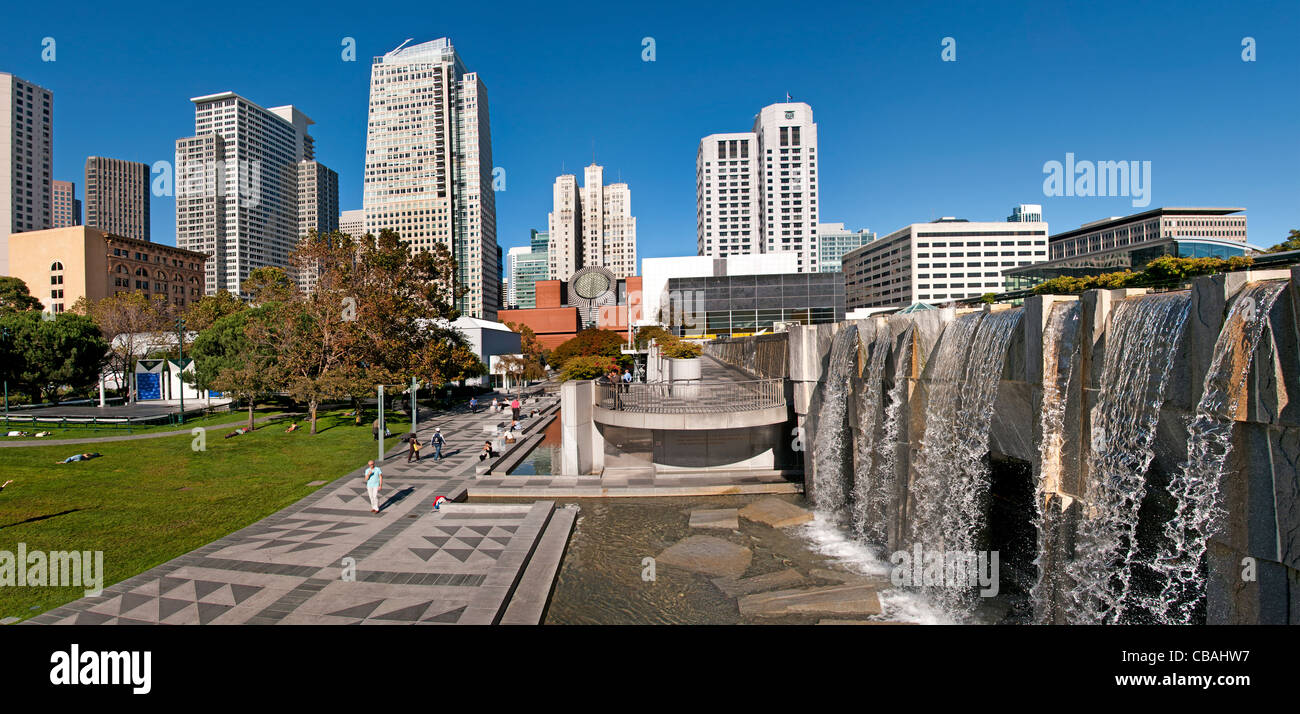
[725, 518]
[707, 555]
[781, 579]
[852, 599]
[776, 513]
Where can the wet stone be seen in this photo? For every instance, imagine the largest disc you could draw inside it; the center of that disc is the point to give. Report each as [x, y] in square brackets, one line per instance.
[707, 555]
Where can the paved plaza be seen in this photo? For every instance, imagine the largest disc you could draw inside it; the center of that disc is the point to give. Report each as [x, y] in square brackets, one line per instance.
[328, 560]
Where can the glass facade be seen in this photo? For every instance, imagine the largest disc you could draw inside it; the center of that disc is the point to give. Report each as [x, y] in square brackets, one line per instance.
[741, 305]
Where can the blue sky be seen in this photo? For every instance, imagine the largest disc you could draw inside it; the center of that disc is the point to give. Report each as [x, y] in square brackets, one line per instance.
[904, 136]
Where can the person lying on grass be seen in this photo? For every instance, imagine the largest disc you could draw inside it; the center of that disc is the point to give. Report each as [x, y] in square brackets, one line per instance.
[292, 428]
[6, 483]
[80, 457]
[237, 432]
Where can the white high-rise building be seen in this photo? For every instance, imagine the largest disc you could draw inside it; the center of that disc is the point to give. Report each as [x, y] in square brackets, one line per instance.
[247, 184]
[727, 201]
[769, 184]
[26, 158]
[353, 222]
[429, 164]
[593, 225]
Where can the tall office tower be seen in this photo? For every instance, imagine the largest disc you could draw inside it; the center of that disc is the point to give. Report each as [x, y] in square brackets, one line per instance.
[238, 194]
[318, 210]
[593, 225]
[26, 156]
[65, 209]
[1026, 213]
[429, 164]
[528, 264]
[117, 197]
[353, 223]
[727, 218]
[834, 240]
[756, 192]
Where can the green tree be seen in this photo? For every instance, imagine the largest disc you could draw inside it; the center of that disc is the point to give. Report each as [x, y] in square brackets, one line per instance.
[268, 284]
[40, 357]
[1292, 242]
[648, 333]
[591, 342]
[227, 360]
[15, 297]
[210, 308]
[129, 322]
[587, 367]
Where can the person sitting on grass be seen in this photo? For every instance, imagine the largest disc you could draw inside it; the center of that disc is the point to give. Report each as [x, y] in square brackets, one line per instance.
[79, 457]
[238, 432]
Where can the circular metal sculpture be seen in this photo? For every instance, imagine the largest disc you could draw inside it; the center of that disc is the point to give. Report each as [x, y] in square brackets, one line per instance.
[590, 289]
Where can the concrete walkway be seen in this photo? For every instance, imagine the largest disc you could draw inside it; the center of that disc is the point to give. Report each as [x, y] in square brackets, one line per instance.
[328, 560]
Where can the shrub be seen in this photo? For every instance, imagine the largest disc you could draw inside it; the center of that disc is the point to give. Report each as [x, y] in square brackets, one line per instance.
[587, 367]
[588, 343]
[681, 349]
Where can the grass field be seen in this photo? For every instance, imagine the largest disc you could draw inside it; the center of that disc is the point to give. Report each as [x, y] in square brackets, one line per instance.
[84, 432]
[145, 502]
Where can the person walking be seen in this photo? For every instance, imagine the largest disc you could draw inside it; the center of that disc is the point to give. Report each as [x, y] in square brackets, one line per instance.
[515, 406]
[437, 440]
[473, 405]
[374, 481]
[374, 429]
[414, 453]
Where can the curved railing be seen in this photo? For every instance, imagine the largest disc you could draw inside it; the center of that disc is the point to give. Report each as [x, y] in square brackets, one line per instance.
[692, 397]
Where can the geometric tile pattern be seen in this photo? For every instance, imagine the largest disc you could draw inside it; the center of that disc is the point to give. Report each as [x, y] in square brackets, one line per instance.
[327, 559]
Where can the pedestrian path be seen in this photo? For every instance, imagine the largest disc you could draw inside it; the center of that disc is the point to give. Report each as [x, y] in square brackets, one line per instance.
[327, 560]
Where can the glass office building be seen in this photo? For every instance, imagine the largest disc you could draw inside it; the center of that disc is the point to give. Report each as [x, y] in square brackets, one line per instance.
[738, 305]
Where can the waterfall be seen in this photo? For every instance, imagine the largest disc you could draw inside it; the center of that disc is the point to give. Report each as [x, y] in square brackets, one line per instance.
[884, 474]
[830, 474]
[1198, 511]
[870, 501]
[952, 475]
[1060, 347]
[1140, 347]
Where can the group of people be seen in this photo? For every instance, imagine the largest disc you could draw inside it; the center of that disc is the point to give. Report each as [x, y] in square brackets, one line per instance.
[437, 441]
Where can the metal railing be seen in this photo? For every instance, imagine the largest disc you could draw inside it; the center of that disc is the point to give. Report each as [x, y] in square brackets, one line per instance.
[692, 397]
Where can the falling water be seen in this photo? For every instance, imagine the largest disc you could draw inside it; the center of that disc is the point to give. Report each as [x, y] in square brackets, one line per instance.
[830, 477]
[1140, 346]
[1060, 347]
[952, 476]
[884, 475]
[1199, 512]
[869, 500]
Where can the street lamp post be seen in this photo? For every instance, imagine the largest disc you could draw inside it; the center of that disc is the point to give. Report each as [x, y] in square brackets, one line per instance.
[379, 433]
[180, 362]
[415, 406]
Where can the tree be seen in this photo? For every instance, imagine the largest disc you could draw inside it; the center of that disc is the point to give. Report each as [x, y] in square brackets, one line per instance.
[227, 360]
[589, 343]
[521, 367]
[268, 284]
[1292, 242]
[40, 356]
[588, 367]
[15, 297]
[210, 308]
[648, 333]
[129, 322]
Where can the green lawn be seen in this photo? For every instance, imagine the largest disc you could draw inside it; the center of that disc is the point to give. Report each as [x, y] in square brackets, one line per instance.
[85, 432]
[146, 502]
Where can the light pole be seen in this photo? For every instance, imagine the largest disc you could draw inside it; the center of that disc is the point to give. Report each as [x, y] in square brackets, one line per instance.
[379, 434]
[415, 406]
[180, 362]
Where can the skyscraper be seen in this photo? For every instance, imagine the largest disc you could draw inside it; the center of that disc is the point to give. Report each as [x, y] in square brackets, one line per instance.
[353, 222]
[1026, 213]
[757, 191]
[429, 164]
[528, 264]
[65, 209]
[117, 197]
[26, 155]
[244, 183]
[834, 240]
[593, 225]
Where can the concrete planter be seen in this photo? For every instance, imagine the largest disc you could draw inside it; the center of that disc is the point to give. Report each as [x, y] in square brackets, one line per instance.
[684, 369]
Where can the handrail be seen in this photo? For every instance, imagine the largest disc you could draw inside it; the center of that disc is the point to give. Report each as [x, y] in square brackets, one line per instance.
[692, 397]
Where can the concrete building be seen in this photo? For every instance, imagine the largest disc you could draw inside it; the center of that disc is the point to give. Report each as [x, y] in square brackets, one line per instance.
[528, 264]
[591, 226]
[26, 156]
[239, 197]
[117, 197]
[727, 195]
[656, 298]
[1026, 213]
[353, 223]
[594, 298]
[780, 170]
[833, 241]
[943, 260]
[65, 209]
[62, 265]
[1130, 242]
[429, 164]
